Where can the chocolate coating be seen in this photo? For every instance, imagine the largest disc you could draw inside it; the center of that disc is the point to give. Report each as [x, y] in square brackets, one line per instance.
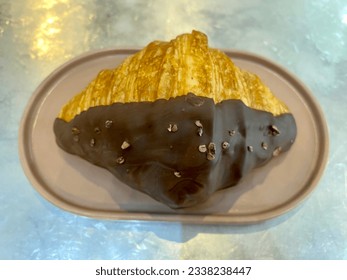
[178, 151]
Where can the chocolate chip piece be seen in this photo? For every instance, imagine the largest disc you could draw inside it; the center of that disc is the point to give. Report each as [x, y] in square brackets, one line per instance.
[225, 145]
[202, 148]
[75, 131]
[198, 123]
[273, 130]
[108, 123]
[120, 160]
[211, 151]
[212, 148]
[210, 156]
[200, 131]
[277, 151]
[125, 145]
[264, 145]
[92, 142]
[231, 132]
[172, 127]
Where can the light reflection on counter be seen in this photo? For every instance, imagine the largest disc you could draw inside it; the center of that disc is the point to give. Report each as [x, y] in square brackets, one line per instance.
[58, 30]
[344, 15]
[48, 4]
[45, 41]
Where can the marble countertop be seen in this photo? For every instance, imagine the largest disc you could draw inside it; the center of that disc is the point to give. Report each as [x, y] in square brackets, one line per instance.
[309, 38]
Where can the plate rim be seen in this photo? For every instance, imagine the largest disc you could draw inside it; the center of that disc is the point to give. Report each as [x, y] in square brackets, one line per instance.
[315, 110]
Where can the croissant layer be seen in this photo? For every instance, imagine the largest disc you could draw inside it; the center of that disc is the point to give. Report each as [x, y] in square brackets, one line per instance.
[169, 69]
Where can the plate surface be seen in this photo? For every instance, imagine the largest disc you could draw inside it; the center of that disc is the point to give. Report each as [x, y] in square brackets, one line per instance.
[77, 186]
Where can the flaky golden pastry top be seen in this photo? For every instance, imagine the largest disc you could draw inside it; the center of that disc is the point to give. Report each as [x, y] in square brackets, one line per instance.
[168, 69]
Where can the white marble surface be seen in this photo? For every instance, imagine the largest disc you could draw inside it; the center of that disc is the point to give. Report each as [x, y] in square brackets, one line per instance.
[308, 37]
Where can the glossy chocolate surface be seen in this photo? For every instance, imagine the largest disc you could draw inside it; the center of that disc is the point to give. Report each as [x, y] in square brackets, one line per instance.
[178, 151]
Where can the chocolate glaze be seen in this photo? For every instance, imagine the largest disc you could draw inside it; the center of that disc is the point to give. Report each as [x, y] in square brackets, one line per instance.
[178, 151]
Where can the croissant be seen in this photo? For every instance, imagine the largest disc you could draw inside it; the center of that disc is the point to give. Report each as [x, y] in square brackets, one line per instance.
[177, 120]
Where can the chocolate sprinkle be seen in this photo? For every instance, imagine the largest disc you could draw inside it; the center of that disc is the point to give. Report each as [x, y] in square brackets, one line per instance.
[198, 123]
[210, 156]
[225, 145]
[75, 131]
[202, 148]
[125, 145]
[108, 123]
[212, 148]
[211, 151]
[277, 151]
[250, 148]
[92, 142]
[172, 127]
[274, 131]
[264, 145]
[120, 160]
[200, 131]
[231, 132]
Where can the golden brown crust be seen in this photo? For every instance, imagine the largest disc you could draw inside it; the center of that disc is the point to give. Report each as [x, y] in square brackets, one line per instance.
[163, 70]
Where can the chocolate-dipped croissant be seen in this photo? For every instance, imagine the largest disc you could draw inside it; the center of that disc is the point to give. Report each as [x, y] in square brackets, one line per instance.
[177, 120]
